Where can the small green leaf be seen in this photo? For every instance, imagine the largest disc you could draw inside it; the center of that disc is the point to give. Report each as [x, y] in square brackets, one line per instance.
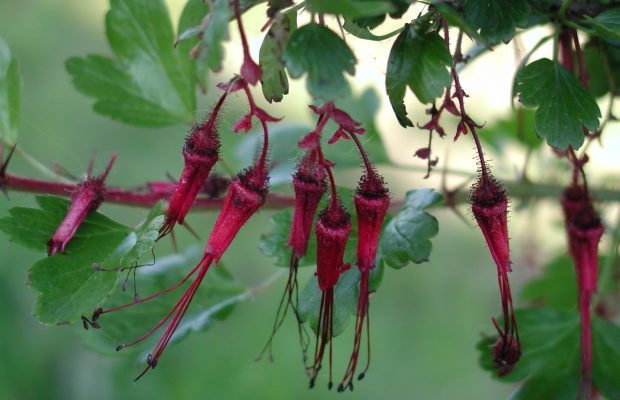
[550, 359]
[73, 283]
[606, 24]
[10, 95]
[274, 81]
[214, 301]
[496, 19]
[320, 53]
[350, 8]
[407, 236]
[345, 301]
[556, 288]
[563, 104]
[418, 59]
[149, 83]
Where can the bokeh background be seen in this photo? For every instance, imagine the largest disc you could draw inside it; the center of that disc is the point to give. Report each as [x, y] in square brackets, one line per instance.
[426, 319]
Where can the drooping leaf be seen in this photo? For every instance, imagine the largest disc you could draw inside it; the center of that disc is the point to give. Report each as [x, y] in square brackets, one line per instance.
[320, 53]
[214, 301]
[350, 8]
[419, 60]
[212, 31]
[496, 19]
[602, 61]
[149, 83]
[345, 301]
[75, 282]
[555, 288]
[550, 359]
[274, 81]
[406, 238]
[10, 95]
[607, 24]
[563, 105]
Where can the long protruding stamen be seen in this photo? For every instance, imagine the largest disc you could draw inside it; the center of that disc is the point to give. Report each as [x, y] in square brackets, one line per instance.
[133, 303]
[181, 308]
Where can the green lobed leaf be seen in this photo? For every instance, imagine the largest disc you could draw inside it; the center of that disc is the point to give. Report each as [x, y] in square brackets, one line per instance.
[607, 24]
[407, 236]
[563, 105]
[350, 8]
[274, 81]
[345, 301]
[320, 53]
[215, 299]
[10, 95]
[149, 83]
[556, 287]
[454, 18]
[550, 360]
[418, 59]
[496, 19]
[74, 283]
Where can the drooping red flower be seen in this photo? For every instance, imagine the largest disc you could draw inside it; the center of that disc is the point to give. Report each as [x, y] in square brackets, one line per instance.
[87, 197]
[372, 202]
[584, 229]
[489, 205]
[309, 184]
[200, 153]
[333, 228]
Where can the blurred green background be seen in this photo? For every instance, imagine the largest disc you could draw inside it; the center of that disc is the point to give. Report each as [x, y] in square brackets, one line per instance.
[426, 319]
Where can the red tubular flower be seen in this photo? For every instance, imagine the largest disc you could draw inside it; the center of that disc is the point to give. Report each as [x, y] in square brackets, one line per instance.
[584, 230]
[372, 202]
[310, 185]
[87, 197]
[489, 205]
[332, 232]
[201, 152]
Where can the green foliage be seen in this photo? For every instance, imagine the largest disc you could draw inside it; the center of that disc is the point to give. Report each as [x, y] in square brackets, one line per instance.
[214, 301]
[364, 33]
[418, 59]
[496, 19]
[321, 54]
[75, 282]
[274, 80]
[191, 17]
[602, 61]
[149, 83]
[606, 24]
[212, 32]
[454, 18]
[556, 287]
[550, 360]
[10, 95]
[563, 105]
[350, 8]
[407, 236]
